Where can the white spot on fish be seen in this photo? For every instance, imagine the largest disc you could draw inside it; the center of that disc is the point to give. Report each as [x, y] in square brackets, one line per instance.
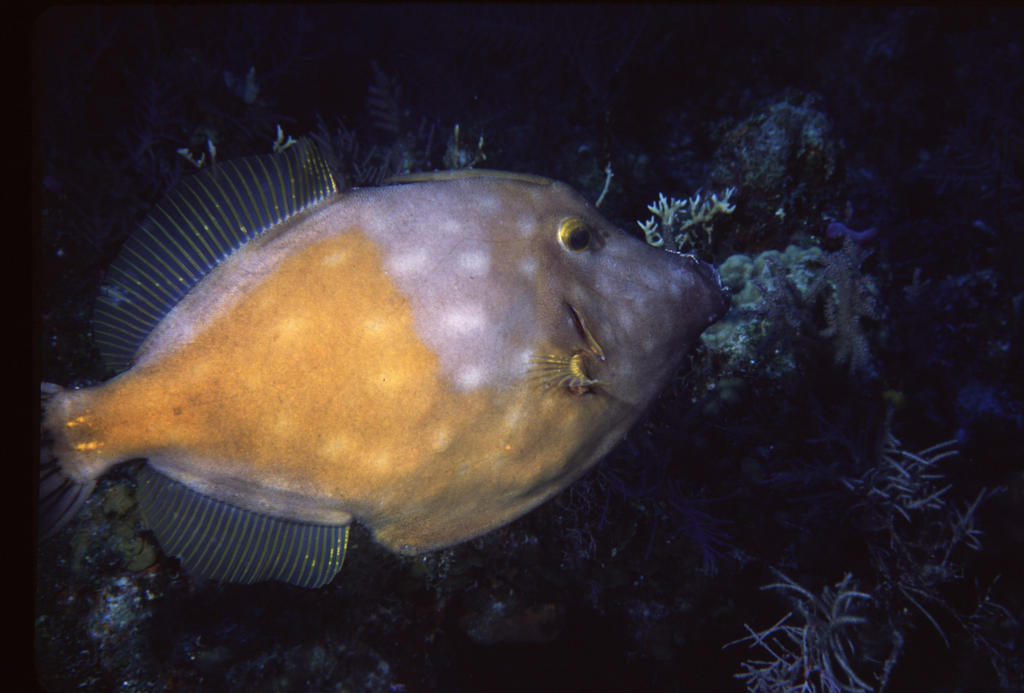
[380, 460]
[487, 203]
[652, 279]
[470, 378]
[475, 262]
[451, 228]
[335, 258]
[290, 326]
[512, 420]
[412, 262]
[442, 439]
[626, 320]
[376, 326]
[465, 319]
[334, 447]
[527, 225]
[528, 266]
[525, 360]
[284, 423]
[606, 284]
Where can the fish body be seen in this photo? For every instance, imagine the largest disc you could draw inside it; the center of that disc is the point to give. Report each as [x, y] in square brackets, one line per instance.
[431, 358]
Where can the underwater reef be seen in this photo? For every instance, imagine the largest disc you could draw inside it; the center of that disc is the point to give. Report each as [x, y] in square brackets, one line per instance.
[828, 497]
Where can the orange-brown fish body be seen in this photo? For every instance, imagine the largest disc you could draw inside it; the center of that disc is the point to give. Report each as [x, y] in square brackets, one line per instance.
[431, 359]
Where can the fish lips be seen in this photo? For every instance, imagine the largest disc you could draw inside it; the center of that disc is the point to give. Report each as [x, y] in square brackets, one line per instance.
[722, 299]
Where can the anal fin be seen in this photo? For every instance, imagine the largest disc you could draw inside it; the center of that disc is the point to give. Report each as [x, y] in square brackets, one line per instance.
[223, 542]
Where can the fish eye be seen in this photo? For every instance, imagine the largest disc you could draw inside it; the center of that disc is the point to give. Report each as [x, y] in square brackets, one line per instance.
[574, 234]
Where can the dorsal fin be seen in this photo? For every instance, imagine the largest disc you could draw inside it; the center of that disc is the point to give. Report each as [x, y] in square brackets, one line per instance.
[204, 219]
[458, 174]
[223, 542]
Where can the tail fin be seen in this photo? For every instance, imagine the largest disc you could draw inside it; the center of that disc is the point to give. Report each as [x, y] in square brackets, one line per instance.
[61, 494]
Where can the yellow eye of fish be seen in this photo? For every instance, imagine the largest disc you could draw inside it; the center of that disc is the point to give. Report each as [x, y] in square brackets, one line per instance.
[574, 235]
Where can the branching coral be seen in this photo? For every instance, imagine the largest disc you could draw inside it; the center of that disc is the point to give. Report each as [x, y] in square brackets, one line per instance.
[677, 220]
[849, 298]
[904, 482]
[816, 656]
[914, 535]
[904, 494]
[785, 310]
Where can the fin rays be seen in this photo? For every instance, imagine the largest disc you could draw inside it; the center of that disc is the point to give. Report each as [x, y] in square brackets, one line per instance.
[223, 542]
[563, 371]
[59, 498]
[199, 224]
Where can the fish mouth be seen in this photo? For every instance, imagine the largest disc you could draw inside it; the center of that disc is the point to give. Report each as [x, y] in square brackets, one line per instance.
[719, 295]
[710, 274]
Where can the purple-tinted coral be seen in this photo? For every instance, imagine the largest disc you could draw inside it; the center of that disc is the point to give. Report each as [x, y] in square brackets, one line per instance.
[838, 229]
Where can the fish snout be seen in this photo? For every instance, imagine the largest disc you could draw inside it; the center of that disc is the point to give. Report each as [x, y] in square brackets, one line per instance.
[703, 290]
[720, 293]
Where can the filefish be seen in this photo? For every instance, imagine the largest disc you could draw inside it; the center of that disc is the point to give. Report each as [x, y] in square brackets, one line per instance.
[431, 358]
